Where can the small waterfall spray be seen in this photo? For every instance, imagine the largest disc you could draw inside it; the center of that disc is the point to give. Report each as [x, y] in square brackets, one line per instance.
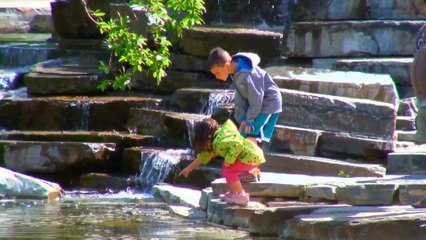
[85, 114]
[157, 166]
[215, 99]
[81, 122]
[23, 54]
[190, 126]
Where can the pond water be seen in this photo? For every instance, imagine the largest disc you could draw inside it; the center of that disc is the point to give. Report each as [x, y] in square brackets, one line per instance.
[90, 215]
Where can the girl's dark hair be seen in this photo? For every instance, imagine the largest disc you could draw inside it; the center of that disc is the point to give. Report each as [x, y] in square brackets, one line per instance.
[203, 135]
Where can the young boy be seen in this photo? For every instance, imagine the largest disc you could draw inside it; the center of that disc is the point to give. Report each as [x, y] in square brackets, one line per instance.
[257, 99]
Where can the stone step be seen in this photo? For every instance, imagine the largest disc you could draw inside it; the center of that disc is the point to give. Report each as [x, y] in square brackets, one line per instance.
[280, 219]
[367, 150]
[28, 51]
[405, 123]
[407, 136]
[170, 83]
[317, 111]
[263, 15]
[68, 113]
[407, 161]
[394, 9]
[377, 87]
[306, 10]
[170, 126]
[358, 117]
[351, 38]
[311, 142]
[121, 139]
[319, 166]
[361, 191]
[397, 68]
[25, 17]
[25, 37]
[407, 107]
[358, 222]
[198, 41]
[54, 157]
[69, 76]
[200, 100]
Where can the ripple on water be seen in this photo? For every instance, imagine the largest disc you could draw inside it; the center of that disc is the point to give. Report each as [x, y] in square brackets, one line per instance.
[94, 215]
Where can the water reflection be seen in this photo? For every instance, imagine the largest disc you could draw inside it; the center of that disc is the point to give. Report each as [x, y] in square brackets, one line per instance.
[90, 215]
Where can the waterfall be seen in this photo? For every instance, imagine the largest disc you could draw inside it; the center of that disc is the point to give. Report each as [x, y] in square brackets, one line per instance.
[190, 127]
[23, 54]
[85, 114]
[216, 98]
[7, 79]
[157, 166]
[12, 77]
[81, 122]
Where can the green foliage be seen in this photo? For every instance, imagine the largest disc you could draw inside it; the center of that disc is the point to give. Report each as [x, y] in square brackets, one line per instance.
[137, 51]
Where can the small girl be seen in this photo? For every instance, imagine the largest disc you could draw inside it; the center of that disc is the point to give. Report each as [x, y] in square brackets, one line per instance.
[241, 156]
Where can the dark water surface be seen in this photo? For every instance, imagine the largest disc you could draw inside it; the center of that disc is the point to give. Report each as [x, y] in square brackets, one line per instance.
[89, 215]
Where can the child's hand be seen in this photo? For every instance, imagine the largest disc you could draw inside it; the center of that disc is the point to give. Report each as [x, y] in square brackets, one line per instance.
[185, 172]
[247, 129]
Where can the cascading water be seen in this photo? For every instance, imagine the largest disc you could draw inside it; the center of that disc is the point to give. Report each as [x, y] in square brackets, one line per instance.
[157, 166]
[215, 100]
[85, 114]
[23, 54]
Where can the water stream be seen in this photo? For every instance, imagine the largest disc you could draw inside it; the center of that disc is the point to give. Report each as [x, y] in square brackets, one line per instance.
[91, 215]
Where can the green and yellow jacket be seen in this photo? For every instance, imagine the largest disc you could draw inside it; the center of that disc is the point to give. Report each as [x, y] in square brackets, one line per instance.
[229, 144]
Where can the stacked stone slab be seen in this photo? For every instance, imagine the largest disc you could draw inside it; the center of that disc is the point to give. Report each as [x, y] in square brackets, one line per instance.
[374, 31]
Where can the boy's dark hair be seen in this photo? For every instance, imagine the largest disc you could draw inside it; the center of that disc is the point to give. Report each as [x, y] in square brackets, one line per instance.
[218, 57]
[203, 135]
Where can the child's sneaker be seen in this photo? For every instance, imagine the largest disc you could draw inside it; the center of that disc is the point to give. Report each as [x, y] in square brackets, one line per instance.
[248, 177]
[237, 198]
[226, 195]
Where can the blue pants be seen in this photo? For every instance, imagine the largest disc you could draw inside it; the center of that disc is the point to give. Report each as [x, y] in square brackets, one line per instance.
[264, 126]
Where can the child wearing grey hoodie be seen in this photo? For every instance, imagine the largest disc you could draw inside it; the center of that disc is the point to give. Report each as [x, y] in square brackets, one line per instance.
[258, 101]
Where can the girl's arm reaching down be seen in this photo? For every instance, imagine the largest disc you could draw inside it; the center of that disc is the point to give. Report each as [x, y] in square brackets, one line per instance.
[196, 163]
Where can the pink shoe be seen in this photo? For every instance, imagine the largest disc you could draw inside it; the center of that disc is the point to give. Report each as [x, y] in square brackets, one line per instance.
[237, 199]
[226, 195]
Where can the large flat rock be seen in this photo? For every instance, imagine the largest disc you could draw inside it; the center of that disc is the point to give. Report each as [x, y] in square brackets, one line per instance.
[406, 163]
[54, 157]
[386, 190]
[306, 10]
[351, 38]
[319, 166]
[377, 87]
[19, 186]
[199, 100]
[294, 140]
[393, 223]
[69, 76]
[199, 41]
[338, 114]
[394, 9]
[397, 68]
[363, 149]
[254, 14]
[71, 113]
[173, 126]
